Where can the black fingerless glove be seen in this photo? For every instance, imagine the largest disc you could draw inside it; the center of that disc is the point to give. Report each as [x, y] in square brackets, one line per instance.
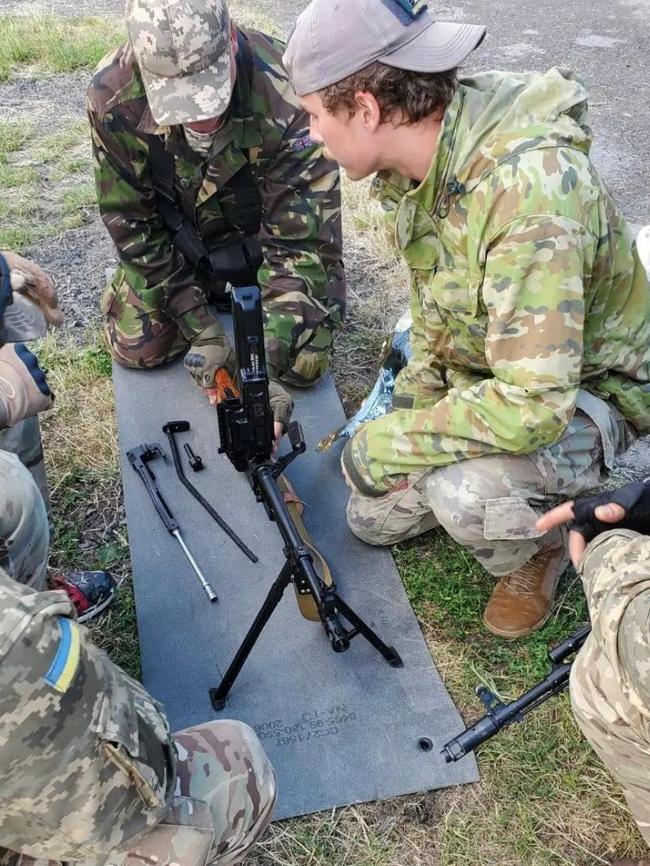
[634, 498]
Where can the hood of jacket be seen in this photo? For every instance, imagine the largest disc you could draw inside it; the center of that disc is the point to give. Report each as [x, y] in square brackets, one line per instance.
[495, 117]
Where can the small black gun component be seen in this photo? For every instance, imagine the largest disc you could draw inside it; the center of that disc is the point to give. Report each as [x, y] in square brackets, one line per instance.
[196, 462]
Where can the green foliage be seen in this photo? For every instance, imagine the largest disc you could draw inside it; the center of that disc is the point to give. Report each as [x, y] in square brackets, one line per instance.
[52, 44]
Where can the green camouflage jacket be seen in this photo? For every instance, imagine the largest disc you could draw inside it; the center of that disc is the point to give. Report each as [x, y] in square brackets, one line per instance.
[302, 277]
[526, 285]
[615, 572]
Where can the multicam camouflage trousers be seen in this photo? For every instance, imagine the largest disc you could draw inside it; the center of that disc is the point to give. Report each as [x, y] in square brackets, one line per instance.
[609, 678]
[225, 786]
[490, 504]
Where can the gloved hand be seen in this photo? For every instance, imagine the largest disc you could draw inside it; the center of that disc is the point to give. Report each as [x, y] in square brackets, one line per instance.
[210, 351]
[630, 509]
[625, 508]
[31, 280]
[281, 403]
[23, 388]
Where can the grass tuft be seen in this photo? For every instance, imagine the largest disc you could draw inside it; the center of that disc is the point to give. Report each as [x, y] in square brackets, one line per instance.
[50, 44]
[82, 456]
[46, 182]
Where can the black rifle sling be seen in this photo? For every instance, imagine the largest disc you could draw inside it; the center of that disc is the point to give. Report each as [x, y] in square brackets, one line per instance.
[236, 262]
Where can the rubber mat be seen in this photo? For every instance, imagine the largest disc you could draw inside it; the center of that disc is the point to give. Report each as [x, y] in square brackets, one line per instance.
[340, 728]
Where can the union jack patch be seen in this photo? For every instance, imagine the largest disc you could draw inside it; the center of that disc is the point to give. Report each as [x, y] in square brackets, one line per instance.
[301, 143]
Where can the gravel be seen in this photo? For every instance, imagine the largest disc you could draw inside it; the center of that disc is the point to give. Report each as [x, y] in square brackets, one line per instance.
[607, 45]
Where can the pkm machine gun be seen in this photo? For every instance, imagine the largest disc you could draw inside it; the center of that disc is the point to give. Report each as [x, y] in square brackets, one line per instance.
[500, 715]
[246, 432]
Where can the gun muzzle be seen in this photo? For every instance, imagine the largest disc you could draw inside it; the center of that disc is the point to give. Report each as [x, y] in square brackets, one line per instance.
[470, 739]
[337, 635]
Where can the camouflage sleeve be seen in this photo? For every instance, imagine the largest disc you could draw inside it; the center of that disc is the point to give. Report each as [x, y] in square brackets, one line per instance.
[154, 269]
[616, 575]
[103, 771]
[533, 293]
[422, 382]
[302, 278]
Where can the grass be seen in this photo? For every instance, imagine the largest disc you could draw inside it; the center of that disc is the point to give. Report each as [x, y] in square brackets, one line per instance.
[48, 44]
[46, 182]
[83, 470]
[543, 799]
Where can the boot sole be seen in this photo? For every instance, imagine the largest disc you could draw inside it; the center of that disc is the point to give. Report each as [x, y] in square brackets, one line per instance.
[513, 635]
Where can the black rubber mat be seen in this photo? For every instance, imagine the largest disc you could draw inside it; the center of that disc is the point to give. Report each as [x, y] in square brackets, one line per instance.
[339, 728]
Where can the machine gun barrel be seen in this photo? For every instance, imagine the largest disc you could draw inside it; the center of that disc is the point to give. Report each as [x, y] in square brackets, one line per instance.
[500, 715]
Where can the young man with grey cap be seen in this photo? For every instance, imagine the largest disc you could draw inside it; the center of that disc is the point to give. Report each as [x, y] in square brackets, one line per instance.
[206, 175]
[530, 362]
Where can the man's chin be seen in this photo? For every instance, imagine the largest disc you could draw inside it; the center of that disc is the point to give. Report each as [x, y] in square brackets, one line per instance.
[355, 174]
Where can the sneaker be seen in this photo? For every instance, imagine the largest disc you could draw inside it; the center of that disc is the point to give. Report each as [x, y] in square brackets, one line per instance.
[522, 601]
[91, 592]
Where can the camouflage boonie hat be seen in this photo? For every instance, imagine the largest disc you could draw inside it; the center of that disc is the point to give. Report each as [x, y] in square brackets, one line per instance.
[183, 51]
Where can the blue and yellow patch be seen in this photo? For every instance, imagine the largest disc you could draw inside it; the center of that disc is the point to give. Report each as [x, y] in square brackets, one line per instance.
[66, 661]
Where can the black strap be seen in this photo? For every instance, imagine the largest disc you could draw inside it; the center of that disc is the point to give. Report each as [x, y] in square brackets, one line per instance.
[184, 235]
[235, 262]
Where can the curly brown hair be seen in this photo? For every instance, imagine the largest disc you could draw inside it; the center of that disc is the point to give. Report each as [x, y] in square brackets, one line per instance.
[411, 96]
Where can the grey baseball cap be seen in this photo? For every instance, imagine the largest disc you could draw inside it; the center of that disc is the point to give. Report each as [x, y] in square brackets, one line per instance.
[183, 51]
[331, 39]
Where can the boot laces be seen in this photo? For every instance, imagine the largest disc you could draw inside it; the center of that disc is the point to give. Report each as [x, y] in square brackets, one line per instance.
[526, 580]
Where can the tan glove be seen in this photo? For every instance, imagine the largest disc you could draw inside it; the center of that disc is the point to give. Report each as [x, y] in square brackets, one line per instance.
[23, 388]
[281, 403]
[209, 353]
[29, 279]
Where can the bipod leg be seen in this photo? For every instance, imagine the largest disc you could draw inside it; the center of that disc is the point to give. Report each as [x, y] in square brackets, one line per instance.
[219, 693]
[360, 627]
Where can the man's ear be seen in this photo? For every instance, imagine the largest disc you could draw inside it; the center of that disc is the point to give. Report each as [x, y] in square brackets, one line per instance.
[368, 108]
[234, 45]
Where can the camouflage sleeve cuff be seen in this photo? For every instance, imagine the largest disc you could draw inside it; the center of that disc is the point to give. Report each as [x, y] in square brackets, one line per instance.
[599, 549]
[354, 470]
[194, 321]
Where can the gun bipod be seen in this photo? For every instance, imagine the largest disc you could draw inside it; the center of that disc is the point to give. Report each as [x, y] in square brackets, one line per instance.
[299, 568]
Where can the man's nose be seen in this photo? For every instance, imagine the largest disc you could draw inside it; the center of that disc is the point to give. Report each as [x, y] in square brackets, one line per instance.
[314, 134]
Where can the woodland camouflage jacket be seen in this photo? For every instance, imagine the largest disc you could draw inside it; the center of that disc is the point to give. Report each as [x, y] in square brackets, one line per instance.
[302, 276]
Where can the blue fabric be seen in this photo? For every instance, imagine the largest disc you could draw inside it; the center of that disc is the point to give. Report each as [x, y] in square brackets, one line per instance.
[5, 286]
[31, 362]
[406, 11]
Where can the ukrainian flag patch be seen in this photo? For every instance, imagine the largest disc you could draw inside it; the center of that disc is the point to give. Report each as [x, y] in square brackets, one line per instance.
[66, 661]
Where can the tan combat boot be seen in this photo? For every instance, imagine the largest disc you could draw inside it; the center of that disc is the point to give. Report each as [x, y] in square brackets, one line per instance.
[522, 601]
